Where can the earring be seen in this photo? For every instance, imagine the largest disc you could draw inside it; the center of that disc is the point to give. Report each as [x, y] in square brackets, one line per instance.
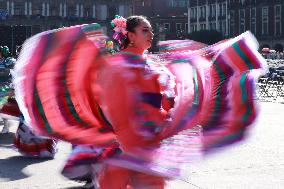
[131, 44]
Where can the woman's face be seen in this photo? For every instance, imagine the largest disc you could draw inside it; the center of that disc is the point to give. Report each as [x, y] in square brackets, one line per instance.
[142, 36]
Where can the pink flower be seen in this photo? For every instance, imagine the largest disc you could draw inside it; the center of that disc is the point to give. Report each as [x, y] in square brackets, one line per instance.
[120, 25]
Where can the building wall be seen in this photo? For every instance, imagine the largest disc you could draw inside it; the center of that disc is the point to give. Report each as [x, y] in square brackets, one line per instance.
[22, 18]
[265, 23]
[168, 17]
[209, 15]
[264, 18]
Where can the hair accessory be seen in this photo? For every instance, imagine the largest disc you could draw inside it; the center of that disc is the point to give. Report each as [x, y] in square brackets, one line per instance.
[119, 24]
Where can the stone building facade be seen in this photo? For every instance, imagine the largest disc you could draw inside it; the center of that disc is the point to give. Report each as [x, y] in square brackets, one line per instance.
[168, 17]
[208, 15]
[264, 18]
[19, 19]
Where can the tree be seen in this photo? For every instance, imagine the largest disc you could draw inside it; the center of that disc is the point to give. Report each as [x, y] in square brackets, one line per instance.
[206, 36]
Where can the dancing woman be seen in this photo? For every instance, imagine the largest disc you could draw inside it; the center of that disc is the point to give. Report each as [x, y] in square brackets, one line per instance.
[147, 116]
[136, 41]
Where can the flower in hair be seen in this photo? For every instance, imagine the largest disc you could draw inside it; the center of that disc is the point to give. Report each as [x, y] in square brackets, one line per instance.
[119, 24]
[120, 32]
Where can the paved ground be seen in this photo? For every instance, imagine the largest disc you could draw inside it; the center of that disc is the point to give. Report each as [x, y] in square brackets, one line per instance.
[257, 163]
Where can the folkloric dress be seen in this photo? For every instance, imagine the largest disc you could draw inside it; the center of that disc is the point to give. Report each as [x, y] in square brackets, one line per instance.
[152, 113]
[25, 140]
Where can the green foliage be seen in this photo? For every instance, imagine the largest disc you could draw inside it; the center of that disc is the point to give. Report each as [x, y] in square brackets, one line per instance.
[206, 36]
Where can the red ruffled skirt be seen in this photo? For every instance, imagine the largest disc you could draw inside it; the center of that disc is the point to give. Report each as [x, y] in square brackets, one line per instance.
[164, 110]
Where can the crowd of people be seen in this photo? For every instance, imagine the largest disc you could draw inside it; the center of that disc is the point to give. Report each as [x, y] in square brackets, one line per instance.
[129, 114]
[273, 55]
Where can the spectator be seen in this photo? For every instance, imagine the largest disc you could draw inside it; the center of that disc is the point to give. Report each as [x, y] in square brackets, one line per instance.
[6, 61]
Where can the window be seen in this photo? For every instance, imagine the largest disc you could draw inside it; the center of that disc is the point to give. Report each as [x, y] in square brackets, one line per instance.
[167, 27]
[88, 12]
[203, 26]
[277, 10]
[193, 27]
[212, 10]
[186, 27]
[102, 12]
[179, 27]
[212, 26]
[202, 12]
[182, 3]
[224, 12]
[3, 5]
[242, 21]
[193, 13]
[277, 29]
[72, 10]
[36, 8]
[19, 8]
[53, 9]
[76, 10]
[170, 3]
[177, 3]
[264, 28]
[265, 11]
[146, 3]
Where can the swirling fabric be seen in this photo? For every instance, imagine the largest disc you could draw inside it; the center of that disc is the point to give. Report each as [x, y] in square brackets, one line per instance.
[184, 102]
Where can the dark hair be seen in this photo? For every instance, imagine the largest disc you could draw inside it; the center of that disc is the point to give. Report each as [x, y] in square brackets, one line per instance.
[131, 23]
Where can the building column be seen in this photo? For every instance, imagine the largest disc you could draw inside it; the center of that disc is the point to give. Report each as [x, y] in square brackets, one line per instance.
[188, 20]
[207, 15]
[47, 9]
[30, 8]
[197, 19]
[64, 10]
[227, 19]
[121, 10]
[82, 11]
[12, 8]
[94, 11]
[77, 10]
[60, 9]
[217, 16]
[43, 9]
[26, 8]
[8, 7]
